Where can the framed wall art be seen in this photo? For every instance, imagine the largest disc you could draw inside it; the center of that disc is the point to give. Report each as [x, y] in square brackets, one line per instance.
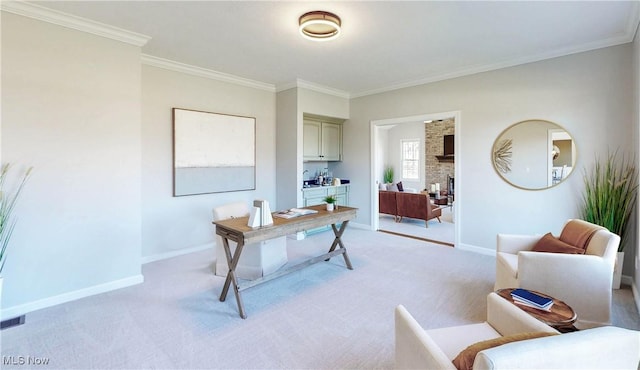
[212, 152]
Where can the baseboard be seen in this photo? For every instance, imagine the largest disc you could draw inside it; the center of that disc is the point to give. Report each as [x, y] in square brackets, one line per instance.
[476, 249]
[357, 225]
[70, 296]
[176, 253]
[626, 279]
[636, 294]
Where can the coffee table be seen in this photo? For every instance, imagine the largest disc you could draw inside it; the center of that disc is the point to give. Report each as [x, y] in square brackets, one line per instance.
[561, 316]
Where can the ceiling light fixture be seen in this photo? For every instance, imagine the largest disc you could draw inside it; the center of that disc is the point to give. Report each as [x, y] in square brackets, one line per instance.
[319, 25]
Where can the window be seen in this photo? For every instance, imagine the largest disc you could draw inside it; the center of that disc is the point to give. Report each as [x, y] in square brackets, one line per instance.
[410, 159]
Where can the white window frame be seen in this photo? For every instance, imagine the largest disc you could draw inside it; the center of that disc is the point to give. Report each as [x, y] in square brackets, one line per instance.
[403, 159]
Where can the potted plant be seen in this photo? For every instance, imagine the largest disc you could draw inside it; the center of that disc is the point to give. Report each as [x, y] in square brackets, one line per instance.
[331, 201]
[610, 198]
[388, 175]
[7, 223]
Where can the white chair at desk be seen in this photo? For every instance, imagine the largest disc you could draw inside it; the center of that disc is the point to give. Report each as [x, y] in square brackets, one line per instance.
[257, 259]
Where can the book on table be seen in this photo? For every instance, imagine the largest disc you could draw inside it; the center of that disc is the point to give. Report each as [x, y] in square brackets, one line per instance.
[529, 298]
[294, 212]
[524, 303]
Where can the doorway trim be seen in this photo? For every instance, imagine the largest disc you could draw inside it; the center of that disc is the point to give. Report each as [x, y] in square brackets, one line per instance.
[375, 125]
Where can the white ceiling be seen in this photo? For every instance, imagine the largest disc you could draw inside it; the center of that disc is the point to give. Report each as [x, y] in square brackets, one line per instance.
[384, 45]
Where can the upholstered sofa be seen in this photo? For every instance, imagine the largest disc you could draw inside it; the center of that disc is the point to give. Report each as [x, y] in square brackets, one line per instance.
[401, 204]
[600, 348]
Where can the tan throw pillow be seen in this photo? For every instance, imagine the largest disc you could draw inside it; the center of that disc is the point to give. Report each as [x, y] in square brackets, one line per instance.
[548, 243]
[465, 359]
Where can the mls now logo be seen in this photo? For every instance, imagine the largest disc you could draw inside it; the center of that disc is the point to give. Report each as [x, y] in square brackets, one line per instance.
[24, 360]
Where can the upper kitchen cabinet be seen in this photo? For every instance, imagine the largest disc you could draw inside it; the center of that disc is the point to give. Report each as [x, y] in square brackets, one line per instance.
[322, 140]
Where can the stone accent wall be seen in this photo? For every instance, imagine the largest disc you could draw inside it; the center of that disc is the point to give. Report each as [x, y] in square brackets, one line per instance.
[436, 171]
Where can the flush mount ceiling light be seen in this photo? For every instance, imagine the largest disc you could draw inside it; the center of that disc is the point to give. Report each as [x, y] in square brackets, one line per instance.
[319, 25]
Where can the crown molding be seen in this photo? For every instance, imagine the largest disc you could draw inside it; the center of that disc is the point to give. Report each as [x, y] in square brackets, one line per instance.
[203, 72]
[71, 21]
[314, 87]
[619, 40]
[633, 22]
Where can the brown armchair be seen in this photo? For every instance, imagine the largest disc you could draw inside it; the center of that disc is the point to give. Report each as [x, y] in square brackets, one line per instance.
[417, 206]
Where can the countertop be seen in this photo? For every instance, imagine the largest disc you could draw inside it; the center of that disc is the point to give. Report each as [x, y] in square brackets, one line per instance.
[312, 187]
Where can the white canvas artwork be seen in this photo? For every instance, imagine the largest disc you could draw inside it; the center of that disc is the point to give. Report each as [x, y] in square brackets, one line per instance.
[212, 152]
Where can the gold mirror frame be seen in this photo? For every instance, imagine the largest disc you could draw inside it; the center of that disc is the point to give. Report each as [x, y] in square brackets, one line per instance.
[534, 154]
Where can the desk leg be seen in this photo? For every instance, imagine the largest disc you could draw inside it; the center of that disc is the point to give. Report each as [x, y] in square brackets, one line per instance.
[338, 241]
[232, 262]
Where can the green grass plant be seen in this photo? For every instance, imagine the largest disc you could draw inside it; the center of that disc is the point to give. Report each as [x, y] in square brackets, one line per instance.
[610, 194]
[388, 175]
[7, 203]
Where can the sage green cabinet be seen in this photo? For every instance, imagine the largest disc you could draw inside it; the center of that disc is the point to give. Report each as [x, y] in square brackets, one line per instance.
[322, 141]
[315, 196]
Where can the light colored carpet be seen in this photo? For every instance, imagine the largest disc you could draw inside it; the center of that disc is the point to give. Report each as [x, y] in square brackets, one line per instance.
[322, 317]
[437, 231]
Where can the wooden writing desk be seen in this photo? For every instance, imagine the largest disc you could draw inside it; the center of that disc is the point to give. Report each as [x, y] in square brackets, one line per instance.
[236, 229]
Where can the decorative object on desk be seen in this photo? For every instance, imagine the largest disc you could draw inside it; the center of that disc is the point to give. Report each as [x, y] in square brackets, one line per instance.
[336, 181]
[331, 201]
[261, 214]
[208, 147]
[388, 175]
[295, 212]
[502, 156]
[610, 197]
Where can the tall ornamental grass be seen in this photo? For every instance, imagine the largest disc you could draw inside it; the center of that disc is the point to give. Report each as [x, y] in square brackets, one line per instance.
[8, 200]
[610, 194]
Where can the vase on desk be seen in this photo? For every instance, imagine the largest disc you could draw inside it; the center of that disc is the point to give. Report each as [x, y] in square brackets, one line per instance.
[329, 206]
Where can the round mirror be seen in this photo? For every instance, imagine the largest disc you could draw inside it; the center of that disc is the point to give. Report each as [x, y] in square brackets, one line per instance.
[534, 154]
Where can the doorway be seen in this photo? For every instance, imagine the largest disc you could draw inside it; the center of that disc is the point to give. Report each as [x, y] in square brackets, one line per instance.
[450, 211]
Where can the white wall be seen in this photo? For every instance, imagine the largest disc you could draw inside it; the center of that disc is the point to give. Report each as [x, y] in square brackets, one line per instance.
[288, 149]
[171, 224]
[297, 101]
[380, 152]
[395, 135]
[315, 102]
[70, 109]
[589, 94]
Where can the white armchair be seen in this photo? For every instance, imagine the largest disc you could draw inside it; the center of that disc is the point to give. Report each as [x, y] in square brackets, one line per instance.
[257, 259]
[599, 348]
[583, 281]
